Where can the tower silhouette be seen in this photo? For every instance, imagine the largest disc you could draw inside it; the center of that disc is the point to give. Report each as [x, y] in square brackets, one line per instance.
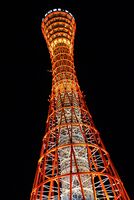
[73, 163]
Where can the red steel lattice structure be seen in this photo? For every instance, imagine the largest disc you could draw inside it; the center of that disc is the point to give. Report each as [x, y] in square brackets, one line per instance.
[73, 163]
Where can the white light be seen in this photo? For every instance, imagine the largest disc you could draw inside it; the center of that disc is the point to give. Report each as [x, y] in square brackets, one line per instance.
[58, 9]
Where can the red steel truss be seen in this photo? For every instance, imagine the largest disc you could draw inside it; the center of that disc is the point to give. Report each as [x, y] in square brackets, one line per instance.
[73, 163]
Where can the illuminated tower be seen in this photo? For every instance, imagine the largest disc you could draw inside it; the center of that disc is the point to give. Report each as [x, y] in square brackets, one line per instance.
[73, 163]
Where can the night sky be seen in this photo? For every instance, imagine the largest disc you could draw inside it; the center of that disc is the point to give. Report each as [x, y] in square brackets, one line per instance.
[104, 62]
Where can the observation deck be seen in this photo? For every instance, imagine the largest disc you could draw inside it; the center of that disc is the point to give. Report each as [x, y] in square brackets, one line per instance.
[58, 27]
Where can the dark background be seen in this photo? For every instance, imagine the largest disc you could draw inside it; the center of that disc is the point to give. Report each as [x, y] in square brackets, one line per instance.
[104, 60]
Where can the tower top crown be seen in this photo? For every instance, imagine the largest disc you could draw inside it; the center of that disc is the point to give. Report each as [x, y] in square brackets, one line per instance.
[58, 27]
